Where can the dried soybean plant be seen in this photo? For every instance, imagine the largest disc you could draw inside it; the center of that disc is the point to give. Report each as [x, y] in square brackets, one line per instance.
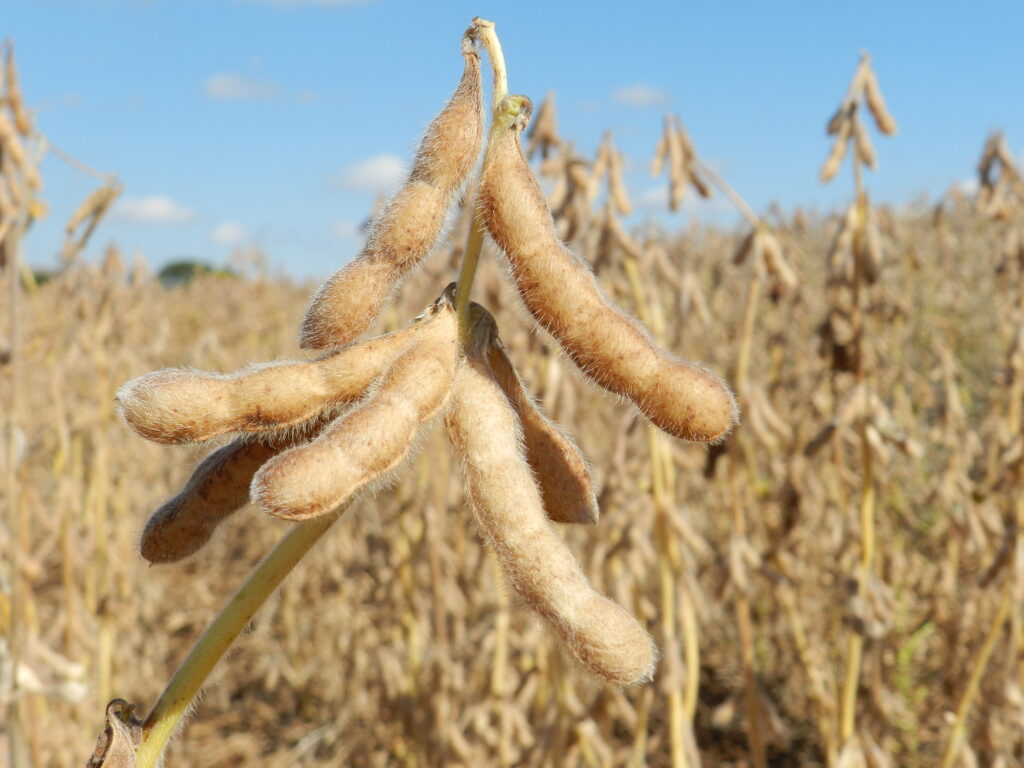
[313, 435]
[22, 148]
[572, 195]
[846, 123]
[19, 184]
[543, 134]
[763, 248]
[1001, 198]
[684, 167]
[854, 265]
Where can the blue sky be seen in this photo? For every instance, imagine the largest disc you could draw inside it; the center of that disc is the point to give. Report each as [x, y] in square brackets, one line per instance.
[278, 121]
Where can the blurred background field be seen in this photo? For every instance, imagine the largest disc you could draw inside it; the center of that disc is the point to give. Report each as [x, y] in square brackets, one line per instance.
[895, 370]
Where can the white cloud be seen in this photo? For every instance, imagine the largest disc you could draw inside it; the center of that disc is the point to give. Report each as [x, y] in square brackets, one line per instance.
[228, 86]
[229, 233]
[379, 174]
[152, 209]
[640, 96]
[967, 186]
[654, 197]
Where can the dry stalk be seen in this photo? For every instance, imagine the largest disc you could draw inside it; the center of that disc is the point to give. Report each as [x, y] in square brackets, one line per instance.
[844, 124]
[682, 688]
[12, 227]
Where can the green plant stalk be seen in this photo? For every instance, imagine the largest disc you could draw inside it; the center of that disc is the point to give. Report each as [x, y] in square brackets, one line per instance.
[484, 32]
[505, 114]
[215, 641]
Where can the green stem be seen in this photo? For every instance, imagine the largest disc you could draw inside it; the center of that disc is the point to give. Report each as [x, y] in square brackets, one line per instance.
[233, 618]
[505, 114]
[484, 32]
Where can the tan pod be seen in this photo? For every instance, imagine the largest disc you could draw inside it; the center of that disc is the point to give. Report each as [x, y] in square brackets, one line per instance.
[557, 463]
[366, 444]
[410, 223]
[183, 406]
[561, 292]
[483, 427]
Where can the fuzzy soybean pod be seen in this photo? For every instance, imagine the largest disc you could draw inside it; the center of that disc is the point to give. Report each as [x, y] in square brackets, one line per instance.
[409, 224]
[561, 292]
[365, 445]
[506, 502]
[183, 406]
[218, 488]
[558, 464]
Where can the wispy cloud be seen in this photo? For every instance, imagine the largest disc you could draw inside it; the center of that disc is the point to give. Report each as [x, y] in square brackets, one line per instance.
[379, 174]
[639, 96]
[152, 209]
[653, 198]
[228, 233]
[967, 186]
[230, 86]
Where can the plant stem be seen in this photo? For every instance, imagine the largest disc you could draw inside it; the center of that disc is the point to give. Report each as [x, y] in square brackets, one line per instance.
[11, 230]
[682, 694]
[819, 690]
[956, 736]
[848, 704]
[848, 700]
[745, 623]
[668, 558]
[747, 337]
[214, 643]
[484, 32]
[727, 190]
[505, 114]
